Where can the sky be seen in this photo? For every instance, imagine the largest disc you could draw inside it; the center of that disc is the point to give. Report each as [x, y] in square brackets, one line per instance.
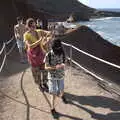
[102, 3]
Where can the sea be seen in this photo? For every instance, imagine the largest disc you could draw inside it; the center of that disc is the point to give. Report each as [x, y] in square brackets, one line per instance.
[108, 27]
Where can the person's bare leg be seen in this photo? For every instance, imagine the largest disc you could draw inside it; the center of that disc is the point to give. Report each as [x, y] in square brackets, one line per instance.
[22, 55]
[53, 111]
[53, 98]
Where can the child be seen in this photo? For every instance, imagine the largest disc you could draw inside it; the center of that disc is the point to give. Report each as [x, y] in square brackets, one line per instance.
[55, 64]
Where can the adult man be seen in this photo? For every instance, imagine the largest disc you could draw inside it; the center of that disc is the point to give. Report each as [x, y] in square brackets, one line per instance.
[19, 30]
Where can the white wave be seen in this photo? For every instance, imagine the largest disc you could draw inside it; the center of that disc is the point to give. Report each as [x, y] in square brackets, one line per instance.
[91, 25]
[69, 25]
[105, 18]
[101, 33]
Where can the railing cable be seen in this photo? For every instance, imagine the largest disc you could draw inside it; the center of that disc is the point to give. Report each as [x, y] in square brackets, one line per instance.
[92, 56]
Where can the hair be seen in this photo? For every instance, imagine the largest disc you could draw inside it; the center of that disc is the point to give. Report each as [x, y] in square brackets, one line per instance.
[57, 47]
[19, 19]
[29, 22]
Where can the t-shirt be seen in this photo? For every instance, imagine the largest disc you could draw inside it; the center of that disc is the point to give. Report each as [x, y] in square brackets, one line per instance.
[51, 61]
[33, 39]
[19, 31]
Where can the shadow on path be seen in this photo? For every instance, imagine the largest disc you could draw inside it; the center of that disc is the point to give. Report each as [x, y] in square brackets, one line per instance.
[96, 101]
[97, 116]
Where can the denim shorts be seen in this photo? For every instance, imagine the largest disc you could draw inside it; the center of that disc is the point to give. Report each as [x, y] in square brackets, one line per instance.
[55, 86]
[20, 43]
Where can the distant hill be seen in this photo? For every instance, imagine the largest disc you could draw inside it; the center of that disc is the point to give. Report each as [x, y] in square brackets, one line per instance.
[59, 6]
[62, 8]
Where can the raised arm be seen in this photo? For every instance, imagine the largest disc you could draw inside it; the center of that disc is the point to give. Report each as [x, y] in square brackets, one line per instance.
[32, 45]
[44, 33]
[29, 42]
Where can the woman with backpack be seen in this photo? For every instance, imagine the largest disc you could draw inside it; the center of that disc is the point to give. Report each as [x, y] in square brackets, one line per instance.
[55, 64]
[35, 53]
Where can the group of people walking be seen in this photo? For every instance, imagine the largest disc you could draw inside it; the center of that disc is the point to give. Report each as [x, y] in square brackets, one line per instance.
[46, 57]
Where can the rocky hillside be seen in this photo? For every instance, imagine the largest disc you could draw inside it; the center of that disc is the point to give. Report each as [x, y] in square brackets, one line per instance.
[61, 7]
[89, 41]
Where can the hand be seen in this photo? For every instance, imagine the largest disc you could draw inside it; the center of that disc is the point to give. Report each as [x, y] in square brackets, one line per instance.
[59, 66]
[63, 65]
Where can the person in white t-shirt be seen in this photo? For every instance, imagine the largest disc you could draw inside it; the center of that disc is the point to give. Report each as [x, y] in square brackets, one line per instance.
[19, 31]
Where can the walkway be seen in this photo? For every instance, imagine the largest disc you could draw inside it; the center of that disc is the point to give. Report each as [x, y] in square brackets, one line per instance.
[20, 99]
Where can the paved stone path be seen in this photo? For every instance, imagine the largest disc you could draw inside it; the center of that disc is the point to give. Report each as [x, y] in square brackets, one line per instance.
[20, 99]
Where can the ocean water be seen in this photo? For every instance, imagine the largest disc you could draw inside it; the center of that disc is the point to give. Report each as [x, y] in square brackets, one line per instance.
[110, 9]
[108, 28]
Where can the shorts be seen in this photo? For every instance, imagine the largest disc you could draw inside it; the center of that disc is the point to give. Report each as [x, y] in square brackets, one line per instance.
[20, 45]
[55, 86]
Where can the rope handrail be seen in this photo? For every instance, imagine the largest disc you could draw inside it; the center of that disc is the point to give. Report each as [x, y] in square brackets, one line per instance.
[8, 42]
[104, 82]
[3, 47]
[92, 56]
[11, 49]
[6, 53]
[107, 85]
[3, 63]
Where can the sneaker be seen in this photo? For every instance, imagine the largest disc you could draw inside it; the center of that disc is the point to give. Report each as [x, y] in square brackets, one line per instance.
[54, 114]
[64, 100]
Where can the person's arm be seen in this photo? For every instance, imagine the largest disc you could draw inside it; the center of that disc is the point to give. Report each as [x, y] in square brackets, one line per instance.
[60, 66]
[15, 32]
[32, 45]
[29, 43]
[49, 68]
[46, 40]
[47, 64]
[45, 33]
